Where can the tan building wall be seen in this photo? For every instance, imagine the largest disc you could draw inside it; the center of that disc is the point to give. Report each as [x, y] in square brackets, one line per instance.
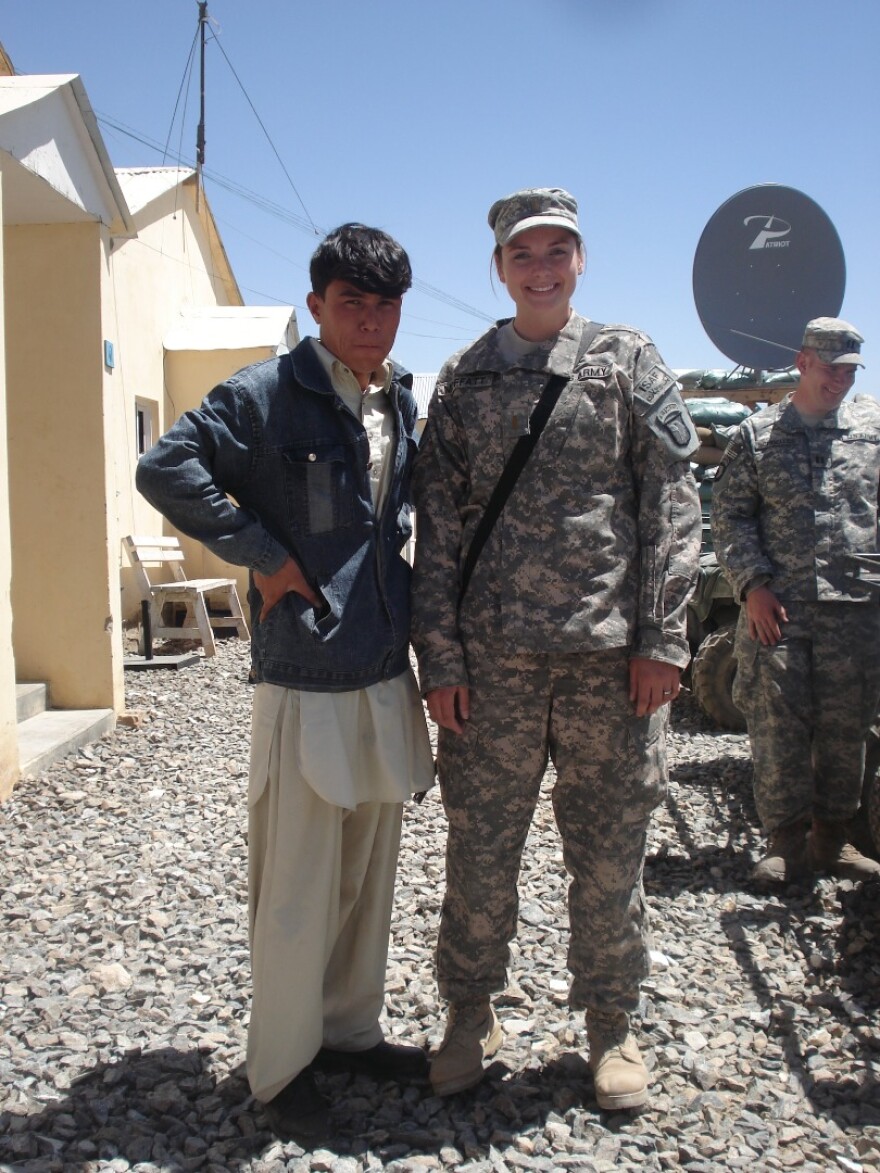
[8, 736]
[191, 374]
[167, 268]
[60, 417]
[96, 266]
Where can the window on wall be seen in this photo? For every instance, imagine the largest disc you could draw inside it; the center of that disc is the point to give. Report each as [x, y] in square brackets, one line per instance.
[145, 415]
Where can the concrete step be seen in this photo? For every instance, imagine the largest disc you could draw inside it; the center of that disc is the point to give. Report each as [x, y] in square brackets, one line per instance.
[50, 736]
[31, 699]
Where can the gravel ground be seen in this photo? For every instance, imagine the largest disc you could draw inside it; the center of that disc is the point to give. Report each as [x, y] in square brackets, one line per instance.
[124, 994]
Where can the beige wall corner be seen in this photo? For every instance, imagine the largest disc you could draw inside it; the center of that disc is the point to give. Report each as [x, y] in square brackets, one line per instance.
[191, 375]
[58, 396]
[172, 268]
[9, 770]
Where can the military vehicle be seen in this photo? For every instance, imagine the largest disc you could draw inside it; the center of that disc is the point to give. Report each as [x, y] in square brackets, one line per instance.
[866, 825]
[718, 403]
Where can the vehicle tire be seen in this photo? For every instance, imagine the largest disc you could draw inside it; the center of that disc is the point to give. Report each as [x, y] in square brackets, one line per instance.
[870, 809]
[712, 675]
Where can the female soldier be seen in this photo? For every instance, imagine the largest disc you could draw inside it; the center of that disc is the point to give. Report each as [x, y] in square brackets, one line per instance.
[568, 641]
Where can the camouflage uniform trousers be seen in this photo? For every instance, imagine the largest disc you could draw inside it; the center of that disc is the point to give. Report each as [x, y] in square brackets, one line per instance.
[809, 702]
[611, 774]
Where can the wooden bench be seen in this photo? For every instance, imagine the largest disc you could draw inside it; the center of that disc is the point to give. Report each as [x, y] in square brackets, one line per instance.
[191, 593]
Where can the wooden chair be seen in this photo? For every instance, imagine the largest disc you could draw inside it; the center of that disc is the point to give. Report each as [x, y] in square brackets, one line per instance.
[191, 593]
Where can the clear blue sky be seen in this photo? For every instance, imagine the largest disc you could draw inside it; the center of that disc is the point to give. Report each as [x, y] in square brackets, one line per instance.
[416, 116]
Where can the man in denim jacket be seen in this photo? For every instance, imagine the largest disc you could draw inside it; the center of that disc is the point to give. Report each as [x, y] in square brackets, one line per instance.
[298, 467]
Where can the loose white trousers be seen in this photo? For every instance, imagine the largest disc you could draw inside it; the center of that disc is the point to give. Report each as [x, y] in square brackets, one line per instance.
[321, 885]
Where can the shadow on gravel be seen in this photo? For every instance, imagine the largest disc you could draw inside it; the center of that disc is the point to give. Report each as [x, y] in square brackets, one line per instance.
[840, 1000]
[504, 1105]
[821, 1007]
[683, 863]
[858, 968]
[167, 1108]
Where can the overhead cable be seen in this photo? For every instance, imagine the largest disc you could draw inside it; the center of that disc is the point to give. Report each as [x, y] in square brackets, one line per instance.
[277, 210]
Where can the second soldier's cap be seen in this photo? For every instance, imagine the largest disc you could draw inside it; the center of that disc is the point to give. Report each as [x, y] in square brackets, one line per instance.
[532, 208]
[834, 340]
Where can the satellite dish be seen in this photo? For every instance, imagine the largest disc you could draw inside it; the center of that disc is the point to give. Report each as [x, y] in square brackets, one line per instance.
[768, 261]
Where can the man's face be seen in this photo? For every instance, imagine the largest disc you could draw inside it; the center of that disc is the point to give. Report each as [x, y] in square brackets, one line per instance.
[358, 328]
[823, 386]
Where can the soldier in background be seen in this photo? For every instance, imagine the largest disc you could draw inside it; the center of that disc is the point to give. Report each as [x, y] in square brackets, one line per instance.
[568, 642]
[794, 498]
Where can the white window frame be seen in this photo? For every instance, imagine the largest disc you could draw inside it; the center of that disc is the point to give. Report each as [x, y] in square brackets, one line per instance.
[146, 415]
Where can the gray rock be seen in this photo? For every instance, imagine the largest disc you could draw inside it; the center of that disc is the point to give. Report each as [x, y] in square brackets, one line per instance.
[125, 985]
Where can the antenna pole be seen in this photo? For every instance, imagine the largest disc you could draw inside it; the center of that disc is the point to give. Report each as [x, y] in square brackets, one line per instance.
[200, 133]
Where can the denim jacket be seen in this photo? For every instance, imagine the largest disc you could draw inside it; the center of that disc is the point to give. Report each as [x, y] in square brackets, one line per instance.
[273, 464]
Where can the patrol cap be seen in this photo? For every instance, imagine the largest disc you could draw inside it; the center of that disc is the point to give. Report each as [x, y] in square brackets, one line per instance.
[834, 340]
[532, 208]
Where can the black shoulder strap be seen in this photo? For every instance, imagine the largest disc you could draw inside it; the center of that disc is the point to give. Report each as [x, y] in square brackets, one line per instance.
[518, 459]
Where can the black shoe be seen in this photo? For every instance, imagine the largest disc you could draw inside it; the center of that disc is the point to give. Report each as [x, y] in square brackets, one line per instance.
[299, 1112]
[384, 1061]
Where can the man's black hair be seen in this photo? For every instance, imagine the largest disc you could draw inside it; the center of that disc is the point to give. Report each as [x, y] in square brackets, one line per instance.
[366, 257]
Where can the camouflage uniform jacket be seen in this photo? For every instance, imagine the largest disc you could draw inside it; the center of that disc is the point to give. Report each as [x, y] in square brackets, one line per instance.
[791, 503]
[597, 546]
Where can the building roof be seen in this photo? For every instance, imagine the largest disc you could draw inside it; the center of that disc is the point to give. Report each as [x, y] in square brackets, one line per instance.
[53, 159]
[142, 185]
[235, 327]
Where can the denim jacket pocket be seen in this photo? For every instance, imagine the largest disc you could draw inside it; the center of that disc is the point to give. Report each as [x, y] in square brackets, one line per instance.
[293, 616]
[316, 484]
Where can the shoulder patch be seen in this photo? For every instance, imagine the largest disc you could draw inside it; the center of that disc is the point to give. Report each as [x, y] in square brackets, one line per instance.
[657, 401]
[722, 469]
[674, 418]
[654, 383]
[724, 463]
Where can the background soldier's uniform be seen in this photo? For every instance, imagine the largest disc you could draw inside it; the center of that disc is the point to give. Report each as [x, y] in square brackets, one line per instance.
[791, 504]
[590, 563]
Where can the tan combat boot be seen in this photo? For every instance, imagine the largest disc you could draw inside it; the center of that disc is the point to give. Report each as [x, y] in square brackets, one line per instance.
[473, 1033]
[619, 1074]
[830, 851]
[786, 858]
